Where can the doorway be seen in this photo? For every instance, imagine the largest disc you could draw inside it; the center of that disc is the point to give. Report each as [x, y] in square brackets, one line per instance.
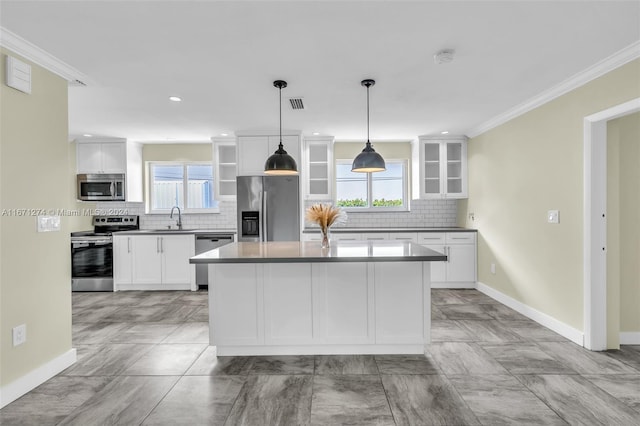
[595, 222]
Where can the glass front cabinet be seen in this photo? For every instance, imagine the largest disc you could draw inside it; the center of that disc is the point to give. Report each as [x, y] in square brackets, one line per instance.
[318, 167]
[442, 167]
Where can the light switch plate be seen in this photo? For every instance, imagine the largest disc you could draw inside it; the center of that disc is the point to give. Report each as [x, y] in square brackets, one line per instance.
[553, 216]
[48, 223]
[19, 334]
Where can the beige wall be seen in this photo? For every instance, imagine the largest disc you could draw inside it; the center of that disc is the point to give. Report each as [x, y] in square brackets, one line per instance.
[623, 232]
[35, 280]
[520, 170]
[177, 152]
[391, 150]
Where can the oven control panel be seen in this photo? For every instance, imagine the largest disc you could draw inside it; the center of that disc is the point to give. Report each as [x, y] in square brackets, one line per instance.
[127, 220]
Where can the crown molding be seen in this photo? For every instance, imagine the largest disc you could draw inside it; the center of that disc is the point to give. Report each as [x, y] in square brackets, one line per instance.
[614, 61]
[40, 57]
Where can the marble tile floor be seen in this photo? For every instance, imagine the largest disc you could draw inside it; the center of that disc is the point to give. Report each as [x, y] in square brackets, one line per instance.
[144, 359]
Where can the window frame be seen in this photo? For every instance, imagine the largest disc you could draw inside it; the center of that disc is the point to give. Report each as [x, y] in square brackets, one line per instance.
[185, 179]
[370, 208]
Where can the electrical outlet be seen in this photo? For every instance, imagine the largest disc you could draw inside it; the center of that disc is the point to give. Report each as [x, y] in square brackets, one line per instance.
[19, 334]
[493, 268]
[553, 216]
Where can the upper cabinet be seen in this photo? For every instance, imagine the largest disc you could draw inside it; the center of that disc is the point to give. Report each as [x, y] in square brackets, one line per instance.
[440, 167]
[225, 167]
[101, 157]
[112, 156]
[318, 167]
[253, 149]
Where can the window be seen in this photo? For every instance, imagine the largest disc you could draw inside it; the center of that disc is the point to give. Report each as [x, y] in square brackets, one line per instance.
[186, 185]
[372, 191]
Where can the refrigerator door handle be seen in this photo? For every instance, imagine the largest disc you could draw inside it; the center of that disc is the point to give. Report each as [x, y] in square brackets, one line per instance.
[264, 216]
[261, 219]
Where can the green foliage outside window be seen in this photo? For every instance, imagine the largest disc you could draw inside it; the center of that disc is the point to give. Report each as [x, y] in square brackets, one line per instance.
[359, 202]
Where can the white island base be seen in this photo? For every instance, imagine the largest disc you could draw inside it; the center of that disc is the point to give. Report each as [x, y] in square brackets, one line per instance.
[305, 308]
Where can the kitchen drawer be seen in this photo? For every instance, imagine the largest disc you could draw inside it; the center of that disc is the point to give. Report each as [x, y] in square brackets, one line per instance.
[461, 237]
[375, 236]
[312, 237]
[345, 236]
[427, 238]
[404, 236]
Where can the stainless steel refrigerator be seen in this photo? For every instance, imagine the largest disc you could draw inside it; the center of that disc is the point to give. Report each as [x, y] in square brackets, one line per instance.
[268, 208]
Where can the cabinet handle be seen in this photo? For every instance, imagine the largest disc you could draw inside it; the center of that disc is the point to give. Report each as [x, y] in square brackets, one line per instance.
[161, 244]
[448, 249]
[128, 244]
[157, 244]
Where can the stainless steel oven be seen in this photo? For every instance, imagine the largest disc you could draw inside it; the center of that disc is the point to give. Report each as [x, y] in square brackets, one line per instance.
[92, 253]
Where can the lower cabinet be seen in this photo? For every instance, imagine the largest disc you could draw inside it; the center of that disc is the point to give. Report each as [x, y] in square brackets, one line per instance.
[153, 262]
[322, 308]
[459, 271]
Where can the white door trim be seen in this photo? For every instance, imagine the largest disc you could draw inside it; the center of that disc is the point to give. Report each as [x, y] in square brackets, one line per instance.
[595, 222]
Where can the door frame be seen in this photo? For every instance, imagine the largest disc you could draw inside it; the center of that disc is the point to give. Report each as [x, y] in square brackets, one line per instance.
[595, 222]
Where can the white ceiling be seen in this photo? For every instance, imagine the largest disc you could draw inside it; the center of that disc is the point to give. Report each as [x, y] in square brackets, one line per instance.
[222, 58]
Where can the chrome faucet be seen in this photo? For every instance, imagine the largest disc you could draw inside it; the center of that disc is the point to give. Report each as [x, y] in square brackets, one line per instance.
[179, 223]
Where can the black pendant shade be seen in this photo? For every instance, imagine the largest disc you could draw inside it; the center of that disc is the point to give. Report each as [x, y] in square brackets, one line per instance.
[280, 163]
[368, 161]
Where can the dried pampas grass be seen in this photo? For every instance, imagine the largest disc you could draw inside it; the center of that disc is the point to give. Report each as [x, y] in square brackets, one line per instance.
[325, 215]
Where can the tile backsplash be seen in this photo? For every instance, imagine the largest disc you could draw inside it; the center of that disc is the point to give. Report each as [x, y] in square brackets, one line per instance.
[424, 213]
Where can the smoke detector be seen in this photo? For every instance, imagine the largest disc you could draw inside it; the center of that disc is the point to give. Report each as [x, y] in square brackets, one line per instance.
[444, 56]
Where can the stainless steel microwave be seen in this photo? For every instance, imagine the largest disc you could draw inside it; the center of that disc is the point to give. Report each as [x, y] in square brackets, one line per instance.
[101, 187]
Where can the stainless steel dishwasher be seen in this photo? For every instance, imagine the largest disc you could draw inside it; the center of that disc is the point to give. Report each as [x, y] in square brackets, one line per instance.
[206, 241]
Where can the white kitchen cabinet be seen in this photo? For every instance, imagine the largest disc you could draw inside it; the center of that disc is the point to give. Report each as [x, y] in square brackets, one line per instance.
[440, 169]
[101, 157]
[374, 236]
[459, 271]
[112, 156]
[147, 259]
[225, 167]
[345, 236]
[319, 308]
[404, 236]
[288, 303]
[318, 167]
[254, 149]
[122, 260]
[153, 262]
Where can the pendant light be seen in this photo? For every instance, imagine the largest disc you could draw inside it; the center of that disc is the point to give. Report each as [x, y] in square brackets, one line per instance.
[368, 161]
[280, 163]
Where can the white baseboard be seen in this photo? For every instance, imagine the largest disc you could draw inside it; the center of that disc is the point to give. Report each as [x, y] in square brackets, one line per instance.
[35, 378]
[630, 338]
[543, 319]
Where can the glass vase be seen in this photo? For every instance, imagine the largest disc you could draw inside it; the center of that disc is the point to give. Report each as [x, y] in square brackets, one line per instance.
[325, 237]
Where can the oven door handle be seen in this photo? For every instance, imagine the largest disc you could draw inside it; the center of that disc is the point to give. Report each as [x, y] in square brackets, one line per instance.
[91, 243]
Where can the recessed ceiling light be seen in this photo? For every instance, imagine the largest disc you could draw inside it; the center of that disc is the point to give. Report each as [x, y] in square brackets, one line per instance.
[175, 99]
[444, 56]
[316, 133]
[224, 134]
[444, 132]
[87, 135]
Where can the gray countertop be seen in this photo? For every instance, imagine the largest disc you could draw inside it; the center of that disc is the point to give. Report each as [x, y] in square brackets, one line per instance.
[178, 231]
[340, 229]
[340, 251]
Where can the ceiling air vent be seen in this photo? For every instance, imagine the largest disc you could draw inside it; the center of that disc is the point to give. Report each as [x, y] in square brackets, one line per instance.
[296, 103]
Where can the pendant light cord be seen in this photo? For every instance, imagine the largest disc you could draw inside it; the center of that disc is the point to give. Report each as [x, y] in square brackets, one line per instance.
[280, 119]
[368, 114]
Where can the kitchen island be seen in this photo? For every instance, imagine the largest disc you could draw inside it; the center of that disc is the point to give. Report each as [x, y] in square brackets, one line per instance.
[296, 298]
